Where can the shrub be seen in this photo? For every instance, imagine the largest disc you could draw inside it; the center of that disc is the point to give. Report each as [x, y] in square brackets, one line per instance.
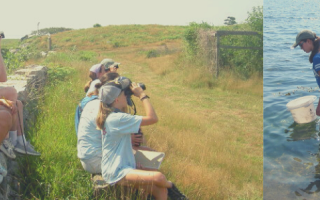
[255, 19]
[152, 53]
[58, 74]
[191, 36]
[96, 25]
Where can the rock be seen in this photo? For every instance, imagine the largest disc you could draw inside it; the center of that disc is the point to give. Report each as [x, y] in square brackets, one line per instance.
[43, 54]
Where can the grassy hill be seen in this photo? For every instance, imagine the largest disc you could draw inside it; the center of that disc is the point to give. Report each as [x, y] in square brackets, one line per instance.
[210, 129]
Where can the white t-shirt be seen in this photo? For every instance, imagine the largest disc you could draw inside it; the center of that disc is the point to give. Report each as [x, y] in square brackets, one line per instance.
[117, 155]
[89, 138]
[92, 86]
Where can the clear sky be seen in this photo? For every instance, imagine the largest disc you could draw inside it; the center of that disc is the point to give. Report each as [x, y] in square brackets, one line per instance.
[21, 17]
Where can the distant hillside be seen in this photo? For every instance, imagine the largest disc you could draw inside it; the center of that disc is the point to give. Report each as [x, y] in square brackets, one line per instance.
[102, 38]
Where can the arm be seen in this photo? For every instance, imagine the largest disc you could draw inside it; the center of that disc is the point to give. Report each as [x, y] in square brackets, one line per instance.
[151, 116]
[3, 73]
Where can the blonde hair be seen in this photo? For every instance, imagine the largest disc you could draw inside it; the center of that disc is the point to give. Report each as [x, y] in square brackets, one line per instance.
[103, 113]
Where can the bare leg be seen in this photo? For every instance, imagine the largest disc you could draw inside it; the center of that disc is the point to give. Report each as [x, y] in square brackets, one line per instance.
[10, 93]
[5, 122]
[153, 182]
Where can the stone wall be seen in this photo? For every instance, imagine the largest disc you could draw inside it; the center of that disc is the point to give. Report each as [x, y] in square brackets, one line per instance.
[29, 83]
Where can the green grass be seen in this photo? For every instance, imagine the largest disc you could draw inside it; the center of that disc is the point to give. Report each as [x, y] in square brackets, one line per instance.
[10, 43]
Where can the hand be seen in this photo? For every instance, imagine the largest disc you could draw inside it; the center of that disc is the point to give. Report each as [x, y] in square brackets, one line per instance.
[136, 140]
[113, 69]
[137, 90]
[9, 104]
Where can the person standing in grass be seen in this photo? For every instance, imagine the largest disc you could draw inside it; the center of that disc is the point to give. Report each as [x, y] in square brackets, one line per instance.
[118, 162]
[97, 71]
[310, 42]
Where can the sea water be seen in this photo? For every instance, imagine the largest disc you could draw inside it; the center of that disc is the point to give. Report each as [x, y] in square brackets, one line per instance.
[291, 150]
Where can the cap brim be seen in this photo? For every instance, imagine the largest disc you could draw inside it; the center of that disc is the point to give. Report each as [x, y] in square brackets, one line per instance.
[294, 45]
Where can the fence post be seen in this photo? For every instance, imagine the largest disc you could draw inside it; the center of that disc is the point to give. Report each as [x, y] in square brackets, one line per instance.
[49, 42]
[217, 56]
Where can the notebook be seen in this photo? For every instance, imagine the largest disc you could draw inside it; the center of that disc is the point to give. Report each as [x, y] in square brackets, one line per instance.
[149, 159]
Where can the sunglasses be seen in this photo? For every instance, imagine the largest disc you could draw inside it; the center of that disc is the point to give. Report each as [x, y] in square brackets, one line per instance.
[301, 43]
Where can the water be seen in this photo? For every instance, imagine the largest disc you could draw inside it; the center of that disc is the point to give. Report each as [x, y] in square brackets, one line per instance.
[291, 151]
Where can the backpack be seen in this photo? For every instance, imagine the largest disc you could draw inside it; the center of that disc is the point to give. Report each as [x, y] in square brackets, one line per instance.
[80, 108]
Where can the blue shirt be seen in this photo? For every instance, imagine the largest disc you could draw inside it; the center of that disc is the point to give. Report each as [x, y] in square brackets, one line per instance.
[117, 155]
[89, 138]
[316, 67]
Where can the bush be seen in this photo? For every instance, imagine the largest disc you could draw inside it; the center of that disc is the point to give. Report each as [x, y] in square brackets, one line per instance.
[152, 54]
[96, 25]
[14, 61]
[58, 74]
[191, 37]
[255, 19]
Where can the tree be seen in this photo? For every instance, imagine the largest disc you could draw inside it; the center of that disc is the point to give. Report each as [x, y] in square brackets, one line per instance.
[230, 21]
[96, 25]
[255, 19]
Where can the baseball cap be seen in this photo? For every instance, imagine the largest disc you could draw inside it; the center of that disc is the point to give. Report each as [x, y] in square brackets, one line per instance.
[107, 63]
[304, 34]
[111, 90]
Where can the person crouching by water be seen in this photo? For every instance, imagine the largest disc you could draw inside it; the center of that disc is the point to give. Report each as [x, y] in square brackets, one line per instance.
[118, 164]
[310, 42]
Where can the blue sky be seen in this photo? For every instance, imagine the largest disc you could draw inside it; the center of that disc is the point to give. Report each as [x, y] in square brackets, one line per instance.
[20, 17]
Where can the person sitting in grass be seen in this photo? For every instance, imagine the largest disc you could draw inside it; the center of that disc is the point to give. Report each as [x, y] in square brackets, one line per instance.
[16, 141]
[89, 138]
[118, 162]
[97, 71]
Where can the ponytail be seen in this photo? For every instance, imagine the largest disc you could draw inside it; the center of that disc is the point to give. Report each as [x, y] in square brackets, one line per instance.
[87, 86]
[316, 47]
[103, 113]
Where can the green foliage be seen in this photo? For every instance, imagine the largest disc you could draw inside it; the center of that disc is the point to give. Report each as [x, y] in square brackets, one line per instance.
[10, 43]
[230, 21]
[255, 19]
[51, 30]
[116, 44]
[11, 61]
[242, 62]
[96, 25]
[191, 36]
[86, 55]
[57, 74]
[152, 53]
[14, 61]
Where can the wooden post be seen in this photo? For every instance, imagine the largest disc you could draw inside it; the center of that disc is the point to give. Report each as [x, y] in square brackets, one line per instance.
[49, 43]
[217, 55]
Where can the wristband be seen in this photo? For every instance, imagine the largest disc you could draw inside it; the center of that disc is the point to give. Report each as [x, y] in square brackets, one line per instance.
[145, 97]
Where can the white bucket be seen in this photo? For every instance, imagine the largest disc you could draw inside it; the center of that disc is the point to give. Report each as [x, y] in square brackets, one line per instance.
[302, 109]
